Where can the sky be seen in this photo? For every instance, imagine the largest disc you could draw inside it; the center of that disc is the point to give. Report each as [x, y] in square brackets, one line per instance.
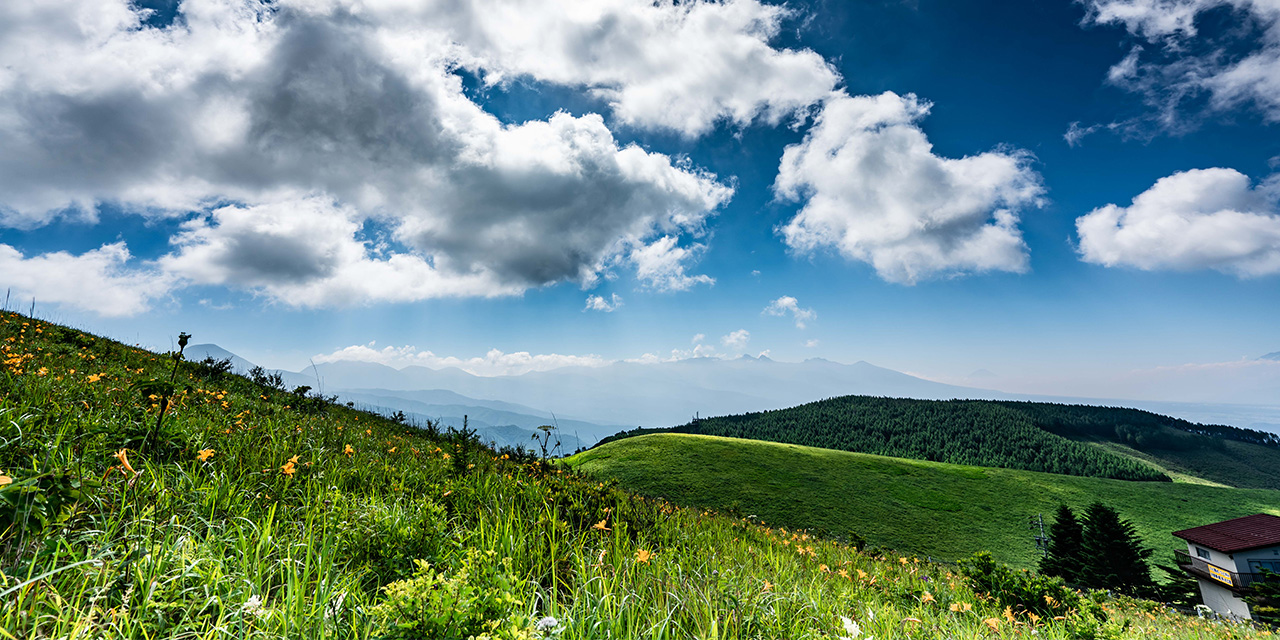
[1072, 198]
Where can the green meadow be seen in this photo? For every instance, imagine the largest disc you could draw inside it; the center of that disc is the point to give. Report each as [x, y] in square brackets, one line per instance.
[254, 511]
[935, 509]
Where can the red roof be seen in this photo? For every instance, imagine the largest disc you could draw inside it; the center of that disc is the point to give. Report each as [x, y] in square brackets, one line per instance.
[1230, 536]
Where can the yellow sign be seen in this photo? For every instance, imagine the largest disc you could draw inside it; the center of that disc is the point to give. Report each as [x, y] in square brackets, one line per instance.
[1221, 575]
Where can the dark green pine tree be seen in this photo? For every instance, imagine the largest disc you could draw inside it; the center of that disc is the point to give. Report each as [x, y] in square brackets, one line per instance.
[1114, 557]
[1066, 542]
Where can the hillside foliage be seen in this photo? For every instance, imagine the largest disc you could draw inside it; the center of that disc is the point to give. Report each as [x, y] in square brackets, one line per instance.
[976, 433]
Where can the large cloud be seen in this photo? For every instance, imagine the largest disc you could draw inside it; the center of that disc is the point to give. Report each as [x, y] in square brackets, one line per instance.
[1199, 219]
[101, 280]
[875, 191]
[1238, 67]
[273, 109]
[676, 65]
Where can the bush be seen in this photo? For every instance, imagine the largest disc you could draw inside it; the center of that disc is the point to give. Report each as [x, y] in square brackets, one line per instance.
[1021, 590]
[480, 600]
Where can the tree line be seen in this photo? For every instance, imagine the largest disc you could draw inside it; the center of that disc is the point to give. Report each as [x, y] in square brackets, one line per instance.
[1134, 427]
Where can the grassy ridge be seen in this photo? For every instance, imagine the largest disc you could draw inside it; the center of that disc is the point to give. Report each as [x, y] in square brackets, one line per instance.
[260, 514]
[943, 510]
[1081, 440]
[957, 431]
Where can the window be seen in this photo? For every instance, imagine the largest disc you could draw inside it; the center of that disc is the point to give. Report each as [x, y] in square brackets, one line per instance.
[1203, 553]
[1258, 566]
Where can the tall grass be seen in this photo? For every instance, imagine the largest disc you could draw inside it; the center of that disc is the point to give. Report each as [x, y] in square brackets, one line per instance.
[309, 520]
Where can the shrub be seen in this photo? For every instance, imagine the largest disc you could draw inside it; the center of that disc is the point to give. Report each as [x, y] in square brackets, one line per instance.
[481, 599]
[1021, 590]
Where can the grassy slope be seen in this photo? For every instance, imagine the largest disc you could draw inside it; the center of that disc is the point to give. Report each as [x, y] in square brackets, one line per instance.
[897, 429]
[947, 511]
[1239, 464]
[237, 546]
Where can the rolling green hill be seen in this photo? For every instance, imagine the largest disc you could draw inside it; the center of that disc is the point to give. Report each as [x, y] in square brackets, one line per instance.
[942, 510]
[1081, 440]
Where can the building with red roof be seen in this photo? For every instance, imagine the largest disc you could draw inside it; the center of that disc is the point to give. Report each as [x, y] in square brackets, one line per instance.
[1228, 557]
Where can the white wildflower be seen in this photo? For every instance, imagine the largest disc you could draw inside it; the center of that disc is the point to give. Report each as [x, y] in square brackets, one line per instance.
[548, 625]
[254, 607]
[851, 628]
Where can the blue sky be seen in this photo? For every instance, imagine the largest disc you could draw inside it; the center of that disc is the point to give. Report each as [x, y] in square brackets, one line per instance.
[134, 151]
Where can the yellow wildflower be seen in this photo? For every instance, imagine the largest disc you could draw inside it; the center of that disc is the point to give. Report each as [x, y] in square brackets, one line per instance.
[124, 461]
[204, 454]
[600, 526]
[5, 480]
[44, 371]
[643, 555]
[1008, 614]
[93, 378]
[994, 623]
[294, 460]
[927, 597]
[348, 450]
[288, 468]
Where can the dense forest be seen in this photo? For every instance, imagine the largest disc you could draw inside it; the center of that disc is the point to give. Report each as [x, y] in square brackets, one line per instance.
[957, 431]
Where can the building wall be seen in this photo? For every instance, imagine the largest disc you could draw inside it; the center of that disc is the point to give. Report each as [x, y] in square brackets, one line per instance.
[1217, 596]
[1222, 600]
[1268, 554]
[1215, 557]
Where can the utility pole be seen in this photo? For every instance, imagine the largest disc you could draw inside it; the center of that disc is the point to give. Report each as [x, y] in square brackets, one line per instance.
[1042, 540]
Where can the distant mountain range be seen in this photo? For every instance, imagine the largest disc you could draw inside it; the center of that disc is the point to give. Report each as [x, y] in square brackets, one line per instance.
[593, 402]
[498, 422]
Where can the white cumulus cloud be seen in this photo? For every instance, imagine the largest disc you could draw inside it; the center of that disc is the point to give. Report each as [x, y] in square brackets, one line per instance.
[736, 340]
[682, 66]
[787, 304]
[661, 265]
[1198, 219]
[600, 303]
[874, 190]
[101, 281]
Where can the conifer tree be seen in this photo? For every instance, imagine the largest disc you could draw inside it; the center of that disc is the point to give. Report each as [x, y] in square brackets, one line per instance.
[1066, 540]
[1114, 557]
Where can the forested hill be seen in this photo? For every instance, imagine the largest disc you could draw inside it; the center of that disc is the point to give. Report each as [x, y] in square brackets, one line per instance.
[1080, 440]
[975, 433]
